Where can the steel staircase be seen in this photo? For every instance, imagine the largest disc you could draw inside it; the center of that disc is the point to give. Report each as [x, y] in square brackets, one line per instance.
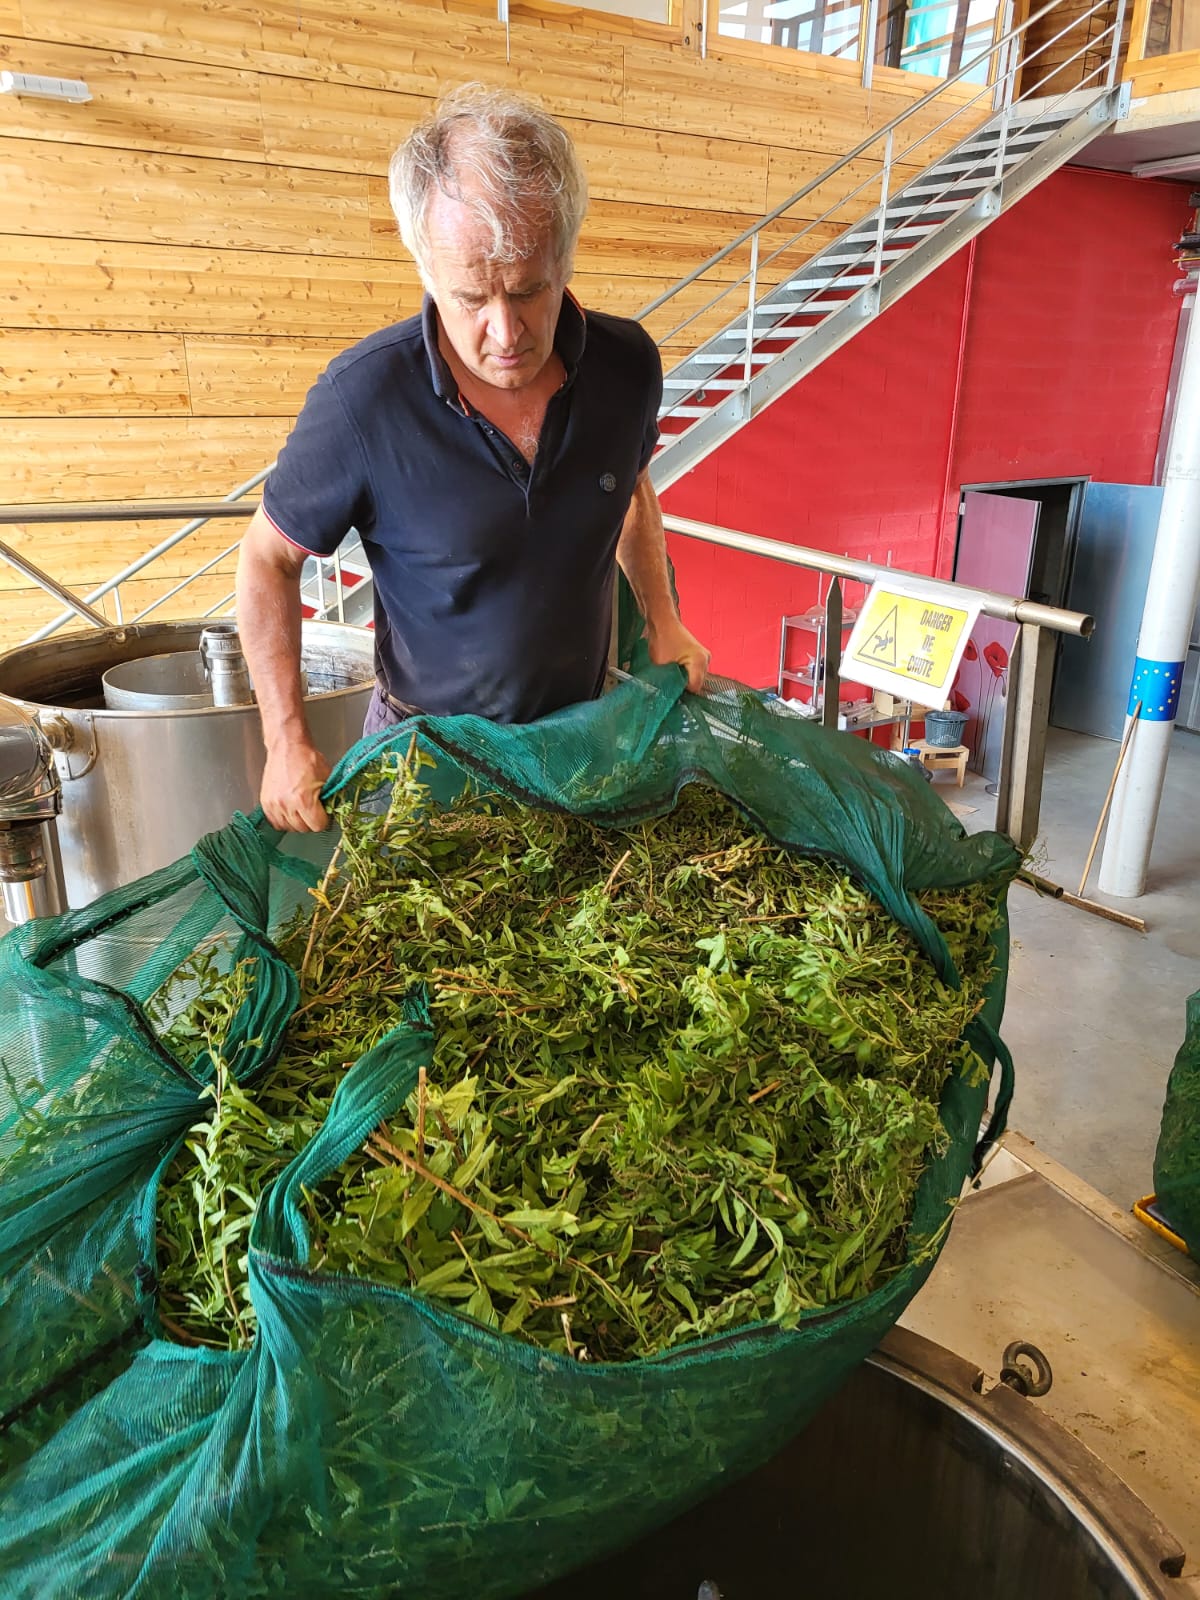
[801, 295]
[779, 338]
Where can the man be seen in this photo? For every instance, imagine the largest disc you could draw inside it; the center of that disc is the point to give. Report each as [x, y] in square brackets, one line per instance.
[491, 452]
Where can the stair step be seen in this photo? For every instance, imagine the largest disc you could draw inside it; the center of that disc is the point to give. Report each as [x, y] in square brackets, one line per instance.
[865, 254]
[965, 188]
[921, 207]
[724, 361]
[694, 385]
[835, 280]
[909, 231]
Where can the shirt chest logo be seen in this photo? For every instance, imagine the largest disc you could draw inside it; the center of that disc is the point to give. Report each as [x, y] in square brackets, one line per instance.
[608, 482]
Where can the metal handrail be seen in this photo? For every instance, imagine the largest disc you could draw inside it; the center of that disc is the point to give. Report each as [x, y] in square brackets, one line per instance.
[993, 603]
[133, 512]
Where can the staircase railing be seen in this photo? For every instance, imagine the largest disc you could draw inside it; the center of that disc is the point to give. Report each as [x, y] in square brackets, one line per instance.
[731, 370]
[877, 192]
[132, 511]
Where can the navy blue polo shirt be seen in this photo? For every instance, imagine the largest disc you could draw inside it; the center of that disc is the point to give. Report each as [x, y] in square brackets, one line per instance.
[493, 579]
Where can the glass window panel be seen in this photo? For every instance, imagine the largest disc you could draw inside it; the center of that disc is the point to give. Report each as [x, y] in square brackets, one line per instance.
[936, 38]
[823, 27]
[648, 10]
[1172, 26]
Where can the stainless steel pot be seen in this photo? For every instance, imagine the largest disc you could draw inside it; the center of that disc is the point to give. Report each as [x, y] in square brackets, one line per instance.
[913, 1483]
[139, 787]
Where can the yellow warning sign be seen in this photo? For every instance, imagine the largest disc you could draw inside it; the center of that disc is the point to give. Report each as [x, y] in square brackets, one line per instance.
[909, 643]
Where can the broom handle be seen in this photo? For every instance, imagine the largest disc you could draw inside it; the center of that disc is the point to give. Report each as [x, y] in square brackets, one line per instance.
[1133, 722]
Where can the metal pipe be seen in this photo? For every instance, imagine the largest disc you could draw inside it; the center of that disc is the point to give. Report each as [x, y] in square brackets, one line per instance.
[1115, 55]
[1162, 642]
[31, 880]
[884, 186]
[127, 510]
[871, 29]
[52, 586]
[748, 372]
[831, 681]
[183, 582]
[160, 549]
[1008, 607]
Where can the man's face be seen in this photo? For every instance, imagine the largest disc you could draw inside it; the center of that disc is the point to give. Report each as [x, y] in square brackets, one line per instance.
[499, 317]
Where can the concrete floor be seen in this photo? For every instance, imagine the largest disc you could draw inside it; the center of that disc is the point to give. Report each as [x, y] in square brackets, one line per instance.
[1095, 1010]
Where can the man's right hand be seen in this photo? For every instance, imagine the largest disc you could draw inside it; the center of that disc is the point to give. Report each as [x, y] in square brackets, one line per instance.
[291, 788]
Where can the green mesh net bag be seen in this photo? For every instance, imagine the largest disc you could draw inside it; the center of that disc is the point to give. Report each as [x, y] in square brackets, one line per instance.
[371, 1441]
[1177, 1158]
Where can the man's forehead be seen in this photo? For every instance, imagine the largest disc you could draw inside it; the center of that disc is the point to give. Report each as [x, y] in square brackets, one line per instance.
[462, 240]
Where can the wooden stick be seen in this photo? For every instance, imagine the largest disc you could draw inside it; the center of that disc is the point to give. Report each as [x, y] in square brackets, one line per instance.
[1057, 892]
[1125, 918]
[1125, 742]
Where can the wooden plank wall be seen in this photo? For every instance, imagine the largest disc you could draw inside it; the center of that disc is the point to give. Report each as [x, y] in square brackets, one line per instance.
[1059, 65]
[184, 254]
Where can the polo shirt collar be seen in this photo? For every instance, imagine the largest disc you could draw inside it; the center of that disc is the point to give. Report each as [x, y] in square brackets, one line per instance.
[570, 337]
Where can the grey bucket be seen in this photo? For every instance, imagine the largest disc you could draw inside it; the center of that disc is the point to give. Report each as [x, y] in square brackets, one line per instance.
[944, 729]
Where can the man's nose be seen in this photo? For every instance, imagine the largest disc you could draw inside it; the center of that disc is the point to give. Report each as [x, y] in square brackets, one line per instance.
[503, 323]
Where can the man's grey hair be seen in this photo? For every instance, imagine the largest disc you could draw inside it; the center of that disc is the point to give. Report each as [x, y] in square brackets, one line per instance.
[505, 158]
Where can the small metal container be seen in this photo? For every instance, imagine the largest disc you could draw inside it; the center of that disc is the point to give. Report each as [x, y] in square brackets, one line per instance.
[175, 681]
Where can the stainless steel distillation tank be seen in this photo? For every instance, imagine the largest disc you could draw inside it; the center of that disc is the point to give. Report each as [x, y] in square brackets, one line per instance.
[917, 1481]
[145, 773]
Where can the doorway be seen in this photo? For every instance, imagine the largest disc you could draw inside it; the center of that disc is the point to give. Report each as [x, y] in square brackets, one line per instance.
[1015, 538]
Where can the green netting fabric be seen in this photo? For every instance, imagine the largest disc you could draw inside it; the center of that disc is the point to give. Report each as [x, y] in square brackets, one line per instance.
[370, 1442]
[1177, 1159]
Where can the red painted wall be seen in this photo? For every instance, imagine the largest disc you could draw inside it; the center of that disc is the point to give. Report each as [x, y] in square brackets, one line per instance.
[1043, 354]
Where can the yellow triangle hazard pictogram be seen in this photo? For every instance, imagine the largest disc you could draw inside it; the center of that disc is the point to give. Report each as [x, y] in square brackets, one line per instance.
[881, 646]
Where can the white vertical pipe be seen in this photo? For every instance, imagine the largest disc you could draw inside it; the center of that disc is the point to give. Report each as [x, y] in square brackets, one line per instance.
[1162, 642]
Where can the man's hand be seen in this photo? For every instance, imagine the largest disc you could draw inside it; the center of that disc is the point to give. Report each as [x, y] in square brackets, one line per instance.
[642, 557]
[291, 787]
[671, 641]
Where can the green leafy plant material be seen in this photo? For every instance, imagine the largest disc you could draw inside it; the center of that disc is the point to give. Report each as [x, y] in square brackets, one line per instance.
[683, 1079]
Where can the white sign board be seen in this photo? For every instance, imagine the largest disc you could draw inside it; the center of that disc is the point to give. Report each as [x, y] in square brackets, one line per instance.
[909, 643]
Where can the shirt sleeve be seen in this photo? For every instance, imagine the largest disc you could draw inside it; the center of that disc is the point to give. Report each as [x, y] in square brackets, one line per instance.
[319, 487]
[653, 399]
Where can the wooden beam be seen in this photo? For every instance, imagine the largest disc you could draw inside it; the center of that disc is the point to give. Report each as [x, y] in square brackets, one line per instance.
[70, 373]
[224, 35]
[118, 458]
[138, 103]
[1166, 74]
[254, 376]
[76, 191]
[75, 283]
[417, 49]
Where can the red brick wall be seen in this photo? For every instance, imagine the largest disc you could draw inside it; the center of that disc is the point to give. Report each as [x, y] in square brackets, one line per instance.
[1065, 321]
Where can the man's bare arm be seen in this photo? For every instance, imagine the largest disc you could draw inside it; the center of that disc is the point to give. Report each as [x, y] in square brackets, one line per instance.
[268, 613]
[642, 557]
